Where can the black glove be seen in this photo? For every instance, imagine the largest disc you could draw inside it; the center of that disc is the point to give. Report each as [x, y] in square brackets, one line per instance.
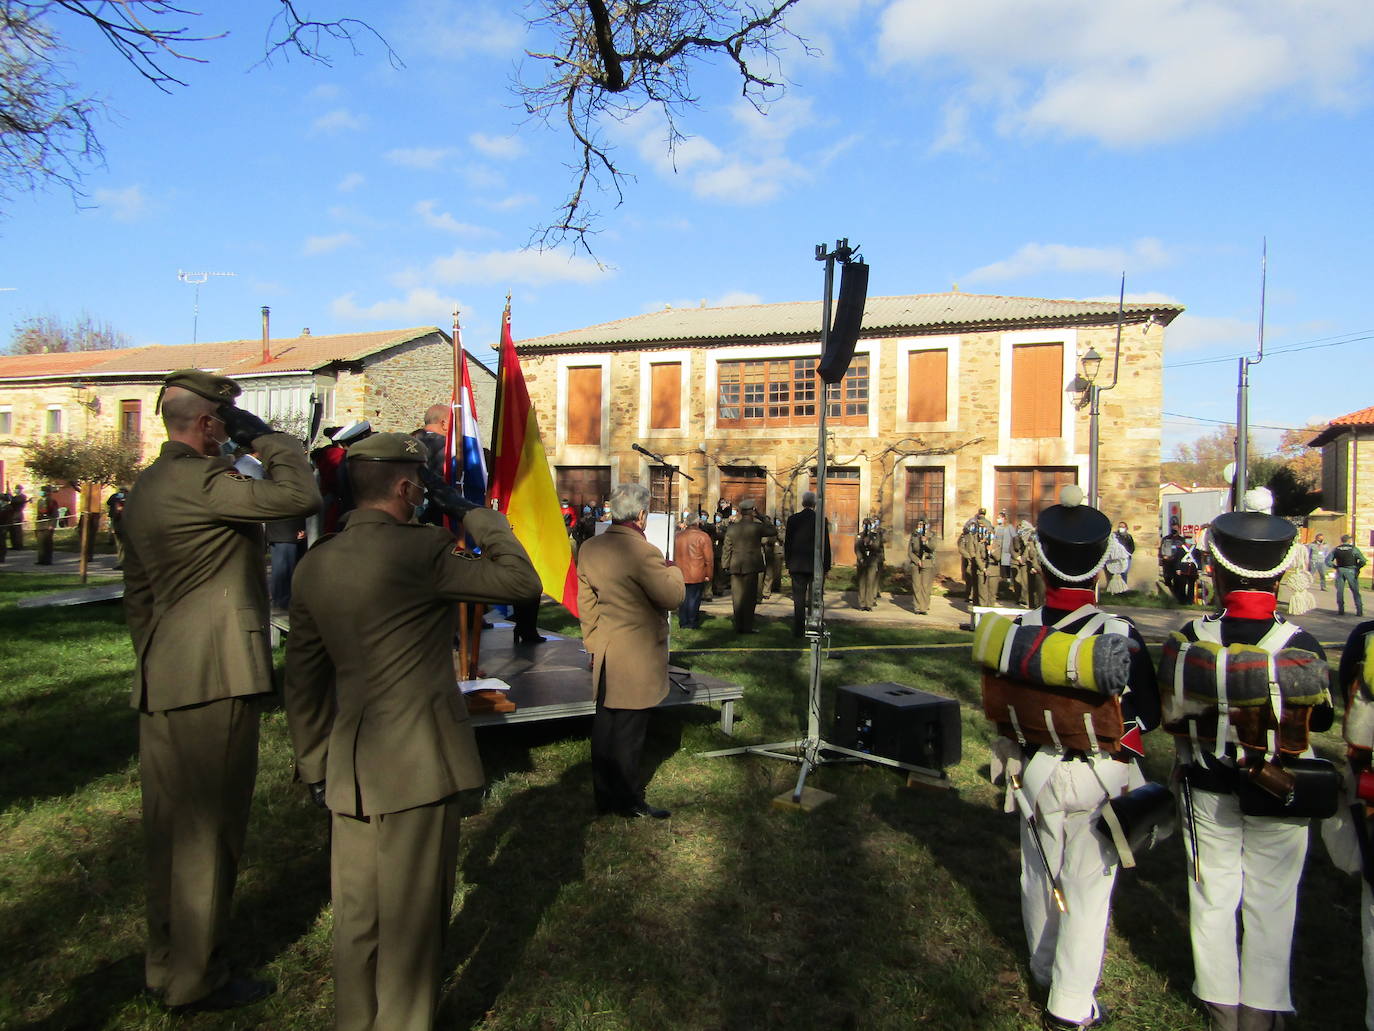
[443, 497]
[242, 426]
[317, 794]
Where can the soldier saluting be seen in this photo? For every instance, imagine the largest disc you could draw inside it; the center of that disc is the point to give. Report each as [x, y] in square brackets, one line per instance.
[381, 733]
[195, 596]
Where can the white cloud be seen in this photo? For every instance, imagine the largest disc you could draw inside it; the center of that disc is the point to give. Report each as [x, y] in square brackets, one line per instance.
[456, 28]
[351, 182]
[418, 306]
[531, 268]
[504, 147]
[339, 120]
[1134, 72]
[327, 244]
[423, 158]
[325, 91]
[445, 221]
[1191, 332]
[126, 205]
[513, 201]
[1035, 258]
[731, 299]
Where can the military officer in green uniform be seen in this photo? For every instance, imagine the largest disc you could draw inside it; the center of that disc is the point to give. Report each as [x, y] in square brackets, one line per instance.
[380, 730]
[195, 596]
[920, 555]
[742, 555]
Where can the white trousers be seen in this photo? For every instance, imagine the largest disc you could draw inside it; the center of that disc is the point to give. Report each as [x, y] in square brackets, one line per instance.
[1066, 948]
[1249, 864]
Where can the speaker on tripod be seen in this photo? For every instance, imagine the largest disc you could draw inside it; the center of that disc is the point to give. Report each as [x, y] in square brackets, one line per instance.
[849, 317]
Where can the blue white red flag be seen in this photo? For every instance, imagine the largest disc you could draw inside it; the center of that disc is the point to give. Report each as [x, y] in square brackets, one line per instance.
[473, 476]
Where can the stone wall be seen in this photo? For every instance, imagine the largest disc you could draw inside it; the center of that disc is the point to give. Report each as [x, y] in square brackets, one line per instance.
[970, 445]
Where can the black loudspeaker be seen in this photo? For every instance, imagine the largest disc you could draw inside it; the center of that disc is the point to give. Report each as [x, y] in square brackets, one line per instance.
[899, 722]
[844, 328]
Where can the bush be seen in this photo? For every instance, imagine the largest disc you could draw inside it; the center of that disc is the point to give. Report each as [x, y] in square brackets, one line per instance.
[104, 458]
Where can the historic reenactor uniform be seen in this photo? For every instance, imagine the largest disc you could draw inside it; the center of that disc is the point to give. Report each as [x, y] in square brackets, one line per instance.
[16, 528]
[742, 556]
[1052, 675]
[1170, 551]
[799, 552]
[380, 730]
[625, 591]
[1348, 833]
[1187, 571]
[920, 554]
[1242, 687]
[868, 576]
[195, 596]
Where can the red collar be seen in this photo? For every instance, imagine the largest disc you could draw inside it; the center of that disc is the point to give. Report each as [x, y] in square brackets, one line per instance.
[1069, 598]
[1249, 605]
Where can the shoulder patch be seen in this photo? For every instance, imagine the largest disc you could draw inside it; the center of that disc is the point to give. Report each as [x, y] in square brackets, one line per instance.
[235, 475]
[462, 552]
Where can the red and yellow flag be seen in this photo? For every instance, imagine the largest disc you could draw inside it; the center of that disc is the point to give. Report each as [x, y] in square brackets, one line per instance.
[522, 484]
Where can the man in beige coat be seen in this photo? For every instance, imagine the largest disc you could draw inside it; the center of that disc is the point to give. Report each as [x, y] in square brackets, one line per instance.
[742, 554]
[624, 594]
[195, 596]
[380, 730]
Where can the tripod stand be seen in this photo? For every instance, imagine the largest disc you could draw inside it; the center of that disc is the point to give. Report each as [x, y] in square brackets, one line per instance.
[813, 750]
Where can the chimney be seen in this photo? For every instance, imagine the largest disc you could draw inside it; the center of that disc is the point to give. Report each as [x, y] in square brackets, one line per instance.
[266, 339]
[305, 332]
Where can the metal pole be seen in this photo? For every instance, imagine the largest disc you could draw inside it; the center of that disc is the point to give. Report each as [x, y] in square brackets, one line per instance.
[1094, 411]
[1241, 482]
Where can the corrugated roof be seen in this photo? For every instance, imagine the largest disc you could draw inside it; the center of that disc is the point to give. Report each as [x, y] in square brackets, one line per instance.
[1364, 417]
[803, 319]
[230, 357]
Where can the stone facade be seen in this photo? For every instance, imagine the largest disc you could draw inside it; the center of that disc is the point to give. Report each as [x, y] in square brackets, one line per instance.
[970, 446]
[390, 385]
[1348, 479]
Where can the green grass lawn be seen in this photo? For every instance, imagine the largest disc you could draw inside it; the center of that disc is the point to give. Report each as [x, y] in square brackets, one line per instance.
[889, 908]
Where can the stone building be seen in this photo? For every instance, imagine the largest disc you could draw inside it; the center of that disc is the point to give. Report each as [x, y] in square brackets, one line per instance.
[388, 377]
[1348, 473]
[953, 401]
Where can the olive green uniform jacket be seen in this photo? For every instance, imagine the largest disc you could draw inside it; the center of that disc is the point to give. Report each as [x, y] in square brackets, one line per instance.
[195, 583]
[371, 695]
[624, 594]
[742, 552]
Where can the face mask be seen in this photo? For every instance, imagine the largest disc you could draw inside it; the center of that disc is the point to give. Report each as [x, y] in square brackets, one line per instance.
[228, 448]
[417, 510]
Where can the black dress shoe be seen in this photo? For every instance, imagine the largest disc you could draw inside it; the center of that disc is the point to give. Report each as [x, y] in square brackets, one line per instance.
[531, 639]
[235, 992]
[645, 809]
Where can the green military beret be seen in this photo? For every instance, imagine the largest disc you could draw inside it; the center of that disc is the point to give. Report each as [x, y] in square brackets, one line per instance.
[206, 384]
[388, 447]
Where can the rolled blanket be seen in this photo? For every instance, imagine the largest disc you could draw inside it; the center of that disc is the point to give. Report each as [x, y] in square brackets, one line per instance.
[1100, 663]
[1302, 675]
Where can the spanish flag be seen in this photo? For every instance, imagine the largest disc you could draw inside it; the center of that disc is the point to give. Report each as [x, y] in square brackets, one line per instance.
[522, 485]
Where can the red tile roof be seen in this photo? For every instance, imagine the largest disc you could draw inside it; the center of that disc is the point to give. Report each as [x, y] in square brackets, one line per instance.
[230, 357]
[1364, 417]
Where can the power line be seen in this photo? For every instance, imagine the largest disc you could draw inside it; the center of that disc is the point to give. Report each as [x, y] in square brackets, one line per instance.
[1230, 422]
[1315, 344]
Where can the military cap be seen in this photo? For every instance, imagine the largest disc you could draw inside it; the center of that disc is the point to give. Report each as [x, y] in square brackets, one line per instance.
[388, 447]
[206, 384]
[1254, 545]
[746, 505]
[1073, 537]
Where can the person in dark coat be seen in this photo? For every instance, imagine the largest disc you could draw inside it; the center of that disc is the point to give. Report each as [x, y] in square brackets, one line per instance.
[799, 552]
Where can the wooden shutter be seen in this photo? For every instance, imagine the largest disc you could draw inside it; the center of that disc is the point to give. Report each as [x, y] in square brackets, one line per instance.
[665, 401]
[584, 405]
[1037, 390]
[927, 385]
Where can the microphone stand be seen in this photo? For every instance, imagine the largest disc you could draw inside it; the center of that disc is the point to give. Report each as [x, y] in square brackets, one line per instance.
[673, 470]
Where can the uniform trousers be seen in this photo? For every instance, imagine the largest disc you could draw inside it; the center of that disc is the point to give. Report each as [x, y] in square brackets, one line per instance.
[392, 878]
[1348, 576]
[1066, 948]
[744, 598]
[801, 600]
[197, 766]
[922, 577]
[867, 584]
[1251, 864]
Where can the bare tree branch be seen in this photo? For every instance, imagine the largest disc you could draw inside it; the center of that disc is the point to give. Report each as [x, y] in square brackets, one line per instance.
[614, 62]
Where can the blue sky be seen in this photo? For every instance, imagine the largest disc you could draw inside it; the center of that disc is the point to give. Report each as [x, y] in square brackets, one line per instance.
[1011, 147]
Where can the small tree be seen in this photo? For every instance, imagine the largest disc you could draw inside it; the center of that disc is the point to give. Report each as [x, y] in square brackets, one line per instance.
[47, 334]
[104, 459]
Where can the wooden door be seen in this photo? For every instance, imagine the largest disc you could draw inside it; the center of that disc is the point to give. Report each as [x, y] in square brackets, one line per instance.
[738, 483]
[841, 513]
[584, 485]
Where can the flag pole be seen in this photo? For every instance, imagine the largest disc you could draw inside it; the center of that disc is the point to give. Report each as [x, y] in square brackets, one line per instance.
[450, 454]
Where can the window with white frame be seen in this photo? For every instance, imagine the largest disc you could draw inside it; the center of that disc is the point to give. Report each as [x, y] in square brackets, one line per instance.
[6, 419]
[53, 423]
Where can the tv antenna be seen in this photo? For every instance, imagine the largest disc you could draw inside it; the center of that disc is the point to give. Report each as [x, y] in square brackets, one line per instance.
[195, 279]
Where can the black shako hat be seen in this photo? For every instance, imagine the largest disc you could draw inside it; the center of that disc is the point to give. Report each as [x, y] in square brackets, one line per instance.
[1073, 537]
[1254, 545]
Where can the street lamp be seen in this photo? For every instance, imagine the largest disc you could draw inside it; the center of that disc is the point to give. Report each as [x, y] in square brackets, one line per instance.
[1085, 385]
